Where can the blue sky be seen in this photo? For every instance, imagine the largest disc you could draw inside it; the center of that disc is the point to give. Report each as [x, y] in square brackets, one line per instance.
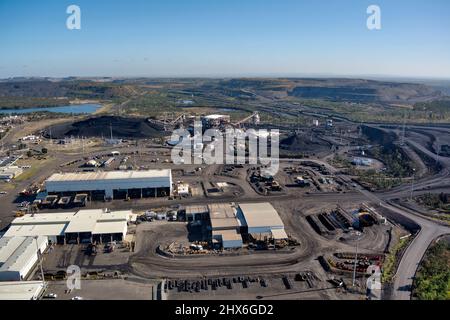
[225, 38]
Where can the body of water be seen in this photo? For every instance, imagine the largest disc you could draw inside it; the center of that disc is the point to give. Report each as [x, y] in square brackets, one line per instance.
[75, 109]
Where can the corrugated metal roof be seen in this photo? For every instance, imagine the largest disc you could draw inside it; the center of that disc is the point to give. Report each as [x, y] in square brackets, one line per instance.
[84, 221]
[23, 253]
[222, 215]
[196, 209]
[109, 227]
[228, 235]
[115, 216]
[55, 224]
[20, 290]
[58, 217]
[27, 230]
[260, 215]
[110, 175]
[7, 247]
[279, 234]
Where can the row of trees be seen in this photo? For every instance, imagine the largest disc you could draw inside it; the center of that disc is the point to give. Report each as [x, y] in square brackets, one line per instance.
[436, 201]
[433, 278]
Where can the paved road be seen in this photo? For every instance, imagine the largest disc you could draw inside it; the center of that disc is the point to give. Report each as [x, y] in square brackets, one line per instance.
[429, 229]
[412, 257]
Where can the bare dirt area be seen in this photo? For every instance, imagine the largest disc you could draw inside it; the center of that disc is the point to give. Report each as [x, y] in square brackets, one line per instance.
[111, 289]
[148, 263]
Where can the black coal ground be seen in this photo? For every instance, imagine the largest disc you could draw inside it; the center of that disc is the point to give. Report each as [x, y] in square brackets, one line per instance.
[102, 126]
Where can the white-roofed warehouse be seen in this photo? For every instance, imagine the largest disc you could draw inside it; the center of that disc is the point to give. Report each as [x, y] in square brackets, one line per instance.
[261, 218]
[18, 256]
[112, 184]
[73, 227]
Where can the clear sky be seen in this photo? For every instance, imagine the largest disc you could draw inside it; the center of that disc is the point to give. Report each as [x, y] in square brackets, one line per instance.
[224, 38]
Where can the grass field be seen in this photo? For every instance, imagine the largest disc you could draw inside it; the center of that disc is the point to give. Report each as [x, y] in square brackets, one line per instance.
[36, 166]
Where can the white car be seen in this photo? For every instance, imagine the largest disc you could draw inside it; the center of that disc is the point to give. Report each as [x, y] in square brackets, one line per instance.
[51, 296]
[77, 298]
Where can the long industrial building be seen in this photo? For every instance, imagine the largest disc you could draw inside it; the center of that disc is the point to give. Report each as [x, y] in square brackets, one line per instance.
[112, 184]
[83, 226]
[19, 255]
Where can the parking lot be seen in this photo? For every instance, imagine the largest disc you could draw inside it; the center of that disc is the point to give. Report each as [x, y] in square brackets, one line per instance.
[303, 285]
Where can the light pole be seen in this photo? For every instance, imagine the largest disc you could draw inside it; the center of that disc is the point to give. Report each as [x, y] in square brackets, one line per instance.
[412, 183]
[39, 259]
[356, 260]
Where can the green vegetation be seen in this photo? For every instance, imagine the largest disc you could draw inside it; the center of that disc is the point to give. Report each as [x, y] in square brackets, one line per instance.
[43, 93]
[30, 102]
[376, 112]
[378, 180]
[152, 103]
[398, 168]
[439, 202]
[340, 162]
[433, 277]
[392, 259]
[397, 163]
[355, 99]
[437, 106]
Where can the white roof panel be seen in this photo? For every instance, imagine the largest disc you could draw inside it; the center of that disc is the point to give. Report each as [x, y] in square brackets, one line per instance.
[21, 256]
[260, 215]
[110, 175]
[59, 217]
[55, 224]
[56, 229]
[228, 235]
[279, 234]
[84, 221]
[110, 227]
[20, 290]
[7, 247]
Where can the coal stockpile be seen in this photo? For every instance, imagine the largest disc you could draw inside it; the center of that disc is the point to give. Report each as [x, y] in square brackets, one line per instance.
[304, 143]
[101, 127]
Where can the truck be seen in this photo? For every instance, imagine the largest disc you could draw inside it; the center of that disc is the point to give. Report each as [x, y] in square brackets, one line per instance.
[91, 249]
[110, 247]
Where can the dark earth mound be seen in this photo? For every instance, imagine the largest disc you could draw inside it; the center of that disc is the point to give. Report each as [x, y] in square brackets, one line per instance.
[304, 144]
[101, 127]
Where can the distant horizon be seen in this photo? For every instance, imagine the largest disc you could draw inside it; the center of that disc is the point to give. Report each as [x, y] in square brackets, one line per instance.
[242, 76]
